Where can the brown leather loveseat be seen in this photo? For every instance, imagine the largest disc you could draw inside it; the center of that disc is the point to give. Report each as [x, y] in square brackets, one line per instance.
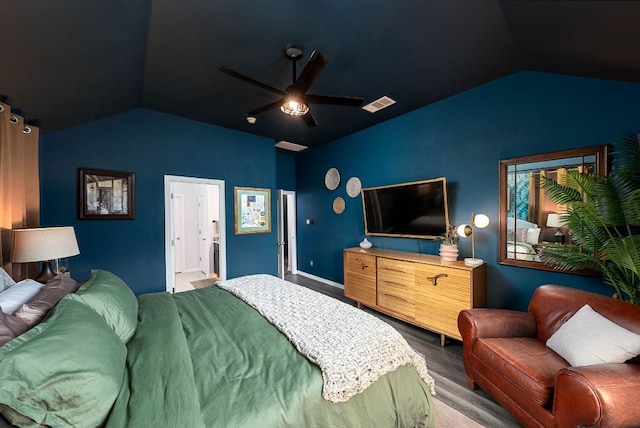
[505, 354]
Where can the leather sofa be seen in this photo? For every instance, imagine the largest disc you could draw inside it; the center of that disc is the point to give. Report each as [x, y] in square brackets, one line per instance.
[505, 354]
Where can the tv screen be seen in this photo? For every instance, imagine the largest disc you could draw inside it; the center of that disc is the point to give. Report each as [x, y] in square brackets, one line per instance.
[418, 209]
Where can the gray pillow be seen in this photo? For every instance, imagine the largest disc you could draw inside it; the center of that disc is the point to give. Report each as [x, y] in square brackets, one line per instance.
[5, 280]
[588, 338]
[37, 308]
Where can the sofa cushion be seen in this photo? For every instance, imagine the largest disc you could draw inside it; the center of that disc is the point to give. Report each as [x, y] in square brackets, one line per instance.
[524, 362]
[588, 338]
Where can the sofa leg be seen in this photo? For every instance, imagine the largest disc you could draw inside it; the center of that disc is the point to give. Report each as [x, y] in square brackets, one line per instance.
[471, 383]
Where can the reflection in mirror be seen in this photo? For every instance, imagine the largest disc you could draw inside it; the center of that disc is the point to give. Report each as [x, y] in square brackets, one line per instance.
[528, 219]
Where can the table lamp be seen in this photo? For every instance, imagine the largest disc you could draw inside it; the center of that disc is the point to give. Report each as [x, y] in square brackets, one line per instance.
[479, 221]
[44, 244]
[555, 220]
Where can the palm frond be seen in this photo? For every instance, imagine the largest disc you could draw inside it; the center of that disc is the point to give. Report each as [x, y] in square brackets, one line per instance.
[602, 215]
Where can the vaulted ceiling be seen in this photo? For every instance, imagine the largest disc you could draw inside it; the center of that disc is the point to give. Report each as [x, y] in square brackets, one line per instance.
[69, 62]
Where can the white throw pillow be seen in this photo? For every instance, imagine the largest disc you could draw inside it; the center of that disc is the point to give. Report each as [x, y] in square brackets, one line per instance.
[533, 235]
[14, 297]
[5, 280]
[588, 338]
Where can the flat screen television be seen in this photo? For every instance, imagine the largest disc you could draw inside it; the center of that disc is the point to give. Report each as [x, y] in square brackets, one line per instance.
[412, 210]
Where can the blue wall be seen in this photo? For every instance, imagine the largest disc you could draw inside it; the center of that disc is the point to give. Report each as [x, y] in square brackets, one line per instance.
[152, 145]
[285, 170]
[461, 138]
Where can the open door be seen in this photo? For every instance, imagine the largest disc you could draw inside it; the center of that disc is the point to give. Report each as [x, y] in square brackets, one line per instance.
[213, 229]
[287, 249]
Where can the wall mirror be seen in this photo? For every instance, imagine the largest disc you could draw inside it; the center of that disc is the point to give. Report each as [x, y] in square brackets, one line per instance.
[528, 219]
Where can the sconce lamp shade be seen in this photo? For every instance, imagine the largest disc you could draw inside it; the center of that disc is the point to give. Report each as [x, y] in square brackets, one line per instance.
[479, 221]
[43, 245]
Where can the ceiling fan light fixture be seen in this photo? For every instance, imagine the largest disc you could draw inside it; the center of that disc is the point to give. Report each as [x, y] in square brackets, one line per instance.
[294, 107]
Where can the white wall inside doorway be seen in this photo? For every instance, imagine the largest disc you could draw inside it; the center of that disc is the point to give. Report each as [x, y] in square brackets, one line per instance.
[204, 227]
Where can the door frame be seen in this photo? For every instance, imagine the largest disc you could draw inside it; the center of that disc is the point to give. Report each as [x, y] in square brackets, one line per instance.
[170, 278]
[290, 217]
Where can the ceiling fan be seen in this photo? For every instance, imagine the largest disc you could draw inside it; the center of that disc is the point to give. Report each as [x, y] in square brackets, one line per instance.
[294, 99]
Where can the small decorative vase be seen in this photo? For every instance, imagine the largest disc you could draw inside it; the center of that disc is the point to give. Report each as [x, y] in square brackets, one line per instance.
[448, 253]
[365, 244]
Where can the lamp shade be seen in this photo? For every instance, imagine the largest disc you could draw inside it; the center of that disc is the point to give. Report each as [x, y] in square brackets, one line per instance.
[481, 221]
[43, 243]
[553, 220]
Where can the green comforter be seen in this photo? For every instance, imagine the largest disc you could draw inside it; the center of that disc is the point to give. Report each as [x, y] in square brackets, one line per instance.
[206, 359]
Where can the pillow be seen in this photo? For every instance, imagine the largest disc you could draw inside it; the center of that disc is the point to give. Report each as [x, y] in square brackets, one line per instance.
[53, 291]
[110, 297]
[5, 280]
[66, 371]
[588, 338]
[14, 297]
[11, 327]
[533, 235]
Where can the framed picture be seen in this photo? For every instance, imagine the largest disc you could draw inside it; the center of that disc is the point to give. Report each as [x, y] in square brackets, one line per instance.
[252, 210]
[105, 195]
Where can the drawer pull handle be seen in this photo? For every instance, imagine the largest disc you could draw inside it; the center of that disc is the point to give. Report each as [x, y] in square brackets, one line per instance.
[394, 270]
[395, 297]
[395, 283]
[434, 279]
[363, 265]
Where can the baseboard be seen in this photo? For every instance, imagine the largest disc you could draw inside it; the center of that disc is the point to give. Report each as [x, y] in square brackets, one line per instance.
[320, 279]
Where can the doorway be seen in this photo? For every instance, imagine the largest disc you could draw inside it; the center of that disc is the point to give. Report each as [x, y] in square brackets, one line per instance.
[195, 239]
[287, 246]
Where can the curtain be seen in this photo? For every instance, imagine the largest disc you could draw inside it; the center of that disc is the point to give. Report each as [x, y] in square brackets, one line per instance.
[19, 185]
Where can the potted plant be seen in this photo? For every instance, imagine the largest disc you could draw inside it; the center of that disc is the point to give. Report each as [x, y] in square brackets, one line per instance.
[449, 244]
[602, 216]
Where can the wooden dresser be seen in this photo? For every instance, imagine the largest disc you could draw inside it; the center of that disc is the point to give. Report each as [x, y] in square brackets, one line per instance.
[416, 288]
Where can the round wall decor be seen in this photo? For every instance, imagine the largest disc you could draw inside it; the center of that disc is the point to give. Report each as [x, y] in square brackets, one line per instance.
[332, 179]
[338, 205]
[353, 187]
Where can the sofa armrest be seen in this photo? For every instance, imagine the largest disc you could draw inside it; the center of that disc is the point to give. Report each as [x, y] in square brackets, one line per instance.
[487, 322]
[604, 395]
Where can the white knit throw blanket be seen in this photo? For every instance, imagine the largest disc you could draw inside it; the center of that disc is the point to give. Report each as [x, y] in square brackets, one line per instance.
[351, 347]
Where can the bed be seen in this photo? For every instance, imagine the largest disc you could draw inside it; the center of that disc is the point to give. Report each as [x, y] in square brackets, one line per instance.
[205, 358]
[522, 235]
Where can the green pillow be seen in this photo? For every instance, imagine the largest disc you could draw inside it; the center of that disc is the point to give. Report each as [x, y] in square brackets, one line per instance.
[110, 297]
[65, 371]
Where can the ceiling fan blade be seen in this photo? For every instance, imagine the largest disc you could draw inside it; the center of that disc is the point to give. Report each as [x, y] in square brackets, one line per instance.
[314, 66]
[247, 79]
[335, 99]
[309, 120]
[265, 108]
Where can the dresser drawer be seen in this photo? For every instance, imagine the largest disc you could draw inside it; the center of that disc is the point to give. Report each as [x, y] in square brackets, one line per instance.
[360, 278]
[444, 283]
[396, 280]
[360, 264]
[441, 293]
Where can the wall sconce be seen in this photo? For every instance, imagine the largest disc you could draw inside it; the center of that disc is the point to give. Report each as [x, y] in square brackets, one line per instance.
[44, 244]
[479, 221]
[555, 220]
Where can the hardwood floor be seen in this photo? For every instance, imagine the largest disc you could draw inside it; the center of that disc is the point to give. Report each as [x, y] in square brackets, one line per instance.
[444, 364]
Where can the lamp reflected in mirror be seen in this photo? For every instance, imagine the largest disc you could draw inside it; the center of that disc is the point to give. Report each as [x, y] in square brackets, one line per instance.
[478, 221]
[555, 220]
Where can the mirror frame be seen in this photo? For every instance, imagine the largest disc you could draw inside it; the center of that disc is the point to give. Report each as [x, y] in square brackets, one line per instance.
[601, 154]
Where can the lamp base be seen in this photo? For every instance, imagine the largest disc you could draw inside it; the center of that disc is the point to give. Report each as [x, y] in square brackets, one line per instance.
[473, 262]
[46, 273]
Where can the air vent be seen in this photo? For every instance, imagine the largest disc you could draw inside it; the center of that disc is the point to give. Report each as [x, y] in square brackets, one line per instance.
[290, 146]
[378, 104]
